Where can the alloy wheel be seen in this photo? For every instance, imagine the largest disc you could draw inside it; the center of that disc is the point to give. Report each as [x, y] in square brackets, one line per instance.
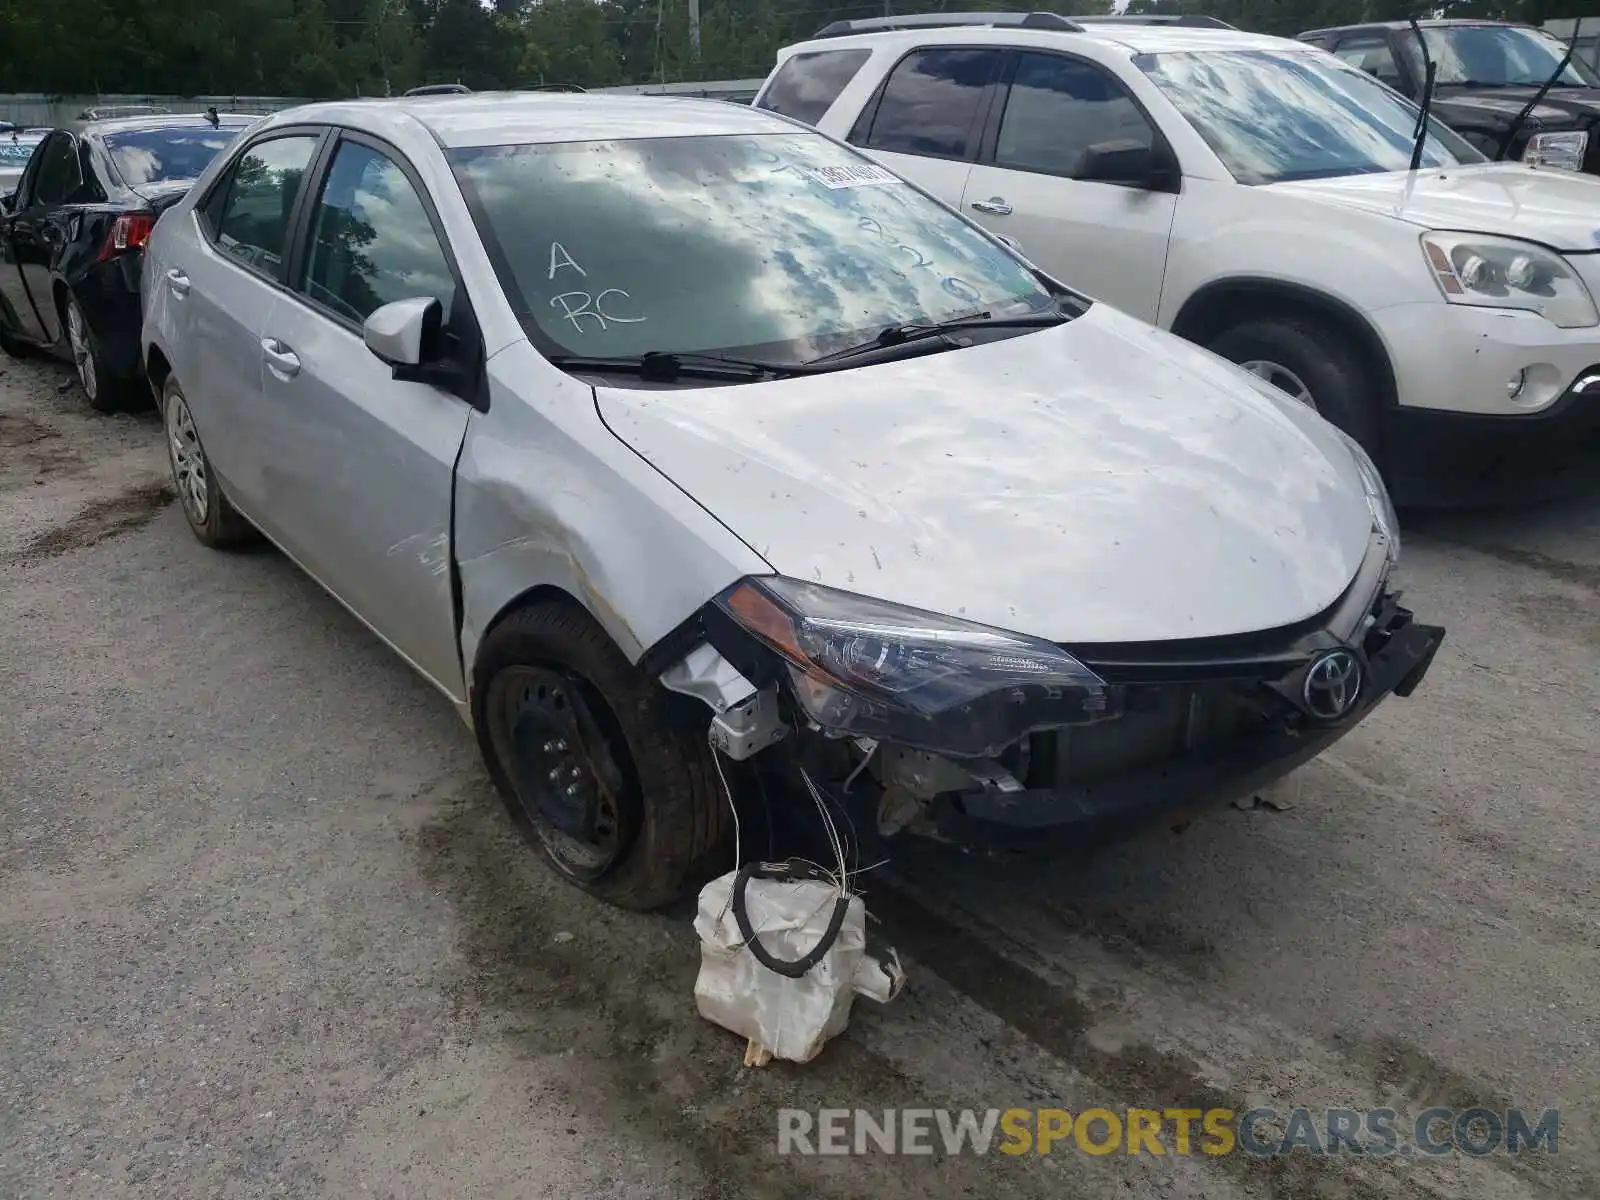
[1285, 380]
[188, 459]
[82, 356]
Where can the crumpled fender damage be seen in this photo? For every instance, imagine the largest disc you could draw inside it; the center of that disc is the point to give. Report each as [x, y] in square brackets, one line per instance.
[547, 498]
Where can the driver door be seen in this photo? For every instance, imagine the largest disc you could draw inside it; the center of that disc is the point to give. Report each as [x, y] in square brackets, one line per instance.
[358, 468]
[1108, 240]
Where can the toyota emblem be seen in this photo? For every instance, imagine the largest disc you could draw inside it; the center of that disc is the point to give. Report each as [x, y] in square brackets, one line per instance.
[1333, 685]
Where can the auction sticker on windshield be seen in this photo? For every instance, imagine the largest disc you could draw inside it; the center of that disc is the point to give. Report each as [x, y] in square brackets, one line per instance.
[855, 175]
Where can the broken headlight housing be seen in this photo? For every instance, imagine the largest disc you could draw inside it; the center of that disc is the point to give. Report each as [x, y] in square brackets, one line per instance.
[1563, 149]
[1379, 504]
[867, 668]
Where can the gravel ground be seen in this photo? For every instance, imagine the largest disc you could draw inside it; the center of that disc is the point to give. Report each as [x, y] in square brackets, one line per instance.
[264, 929]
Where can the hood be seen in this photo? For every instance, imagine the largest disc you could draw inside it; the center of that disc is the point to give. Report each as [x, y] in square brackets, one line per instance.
[1097, 482]
[162, 196]
[1495, 108]
[1559, 208]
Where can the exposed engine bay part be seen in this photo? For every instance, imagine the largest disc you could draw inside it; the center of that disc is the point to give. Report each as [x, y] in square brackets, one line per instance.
[813, 930]
[706, 675]
[750, 727]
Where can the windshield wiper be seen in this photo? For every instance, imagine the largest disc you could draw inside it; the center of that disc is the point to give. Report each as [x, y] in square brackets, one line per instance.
[918, 331]
[668, 366]
[1544, 90]
[1430, 76]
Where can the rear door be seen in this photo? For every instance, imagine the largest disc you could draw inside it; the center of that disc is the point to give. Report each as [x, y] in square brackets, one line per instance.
[358, 468]
[925, 120]
[19, 311]
[223, 275]
[41, 229]
[1106, 239]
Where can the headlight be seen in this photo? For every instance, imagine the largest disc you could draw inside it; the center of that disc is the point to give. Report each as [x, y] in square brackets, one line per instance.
[1496, 272]
[1564, 150]
[1384, 519]
[867, 668]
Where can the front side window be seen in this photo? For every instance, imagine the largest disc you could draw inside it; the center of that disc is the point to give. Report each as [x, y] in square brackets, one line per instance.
[807, 84]
[1372, 54]
[1498, 56]
[788, 246]
[371, 240]
[161, 155]
[59, 175]
[252, 222]
[1059, 107]
[930, 101]
[1276, 115]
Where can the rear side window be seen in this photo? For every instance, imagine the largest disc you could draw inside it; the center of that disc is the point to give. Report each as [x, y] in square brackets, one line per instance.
[1059, 107]
[930, 101]
[253, 222]
[806, 86]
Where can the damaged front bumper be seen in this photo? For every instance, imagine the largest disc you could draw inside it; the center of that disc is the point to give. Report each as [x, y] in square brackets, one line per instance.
[1179, 726]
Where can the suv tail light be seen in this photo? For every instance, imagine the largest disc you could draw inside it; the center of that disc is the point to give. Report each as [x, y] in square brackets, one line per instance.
[130, 231]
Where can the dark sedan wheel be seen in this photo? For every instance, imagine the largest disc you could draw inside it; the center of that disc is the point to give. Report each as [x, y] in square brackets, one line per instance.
[106, 391]
[621, 797]
[212, 518]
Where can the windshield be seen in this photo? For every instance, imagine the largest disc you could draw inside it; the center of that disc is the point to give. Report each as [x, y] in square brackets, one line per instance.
[1276, 115]
[1497, 56]
[783, 245]
[159, 155]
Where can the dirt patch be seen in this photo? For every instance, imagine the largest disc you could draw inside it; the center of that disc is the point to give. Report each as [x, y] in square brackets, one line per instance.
[97, 521]
[34, 449]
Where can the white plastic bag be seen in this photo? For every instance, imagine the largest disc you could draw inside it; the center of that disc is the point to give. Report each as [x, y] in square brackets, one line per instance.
[791, 911]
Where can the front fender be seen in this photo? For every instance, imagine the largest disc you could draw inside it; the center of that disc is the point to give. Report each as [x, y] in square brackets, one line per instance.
[548, 499]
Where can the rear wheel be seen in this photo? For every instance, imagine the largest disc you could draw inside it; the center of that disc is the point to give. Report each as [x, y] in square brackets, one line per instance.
[621, 798]
[211, 517]
[1313, 362]
[106, 390]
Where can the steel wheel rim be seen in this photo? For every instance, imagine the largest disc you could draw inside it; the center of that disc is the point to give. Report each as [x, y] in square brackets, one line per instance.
[561, 757]
[78, 339]
[1285, 380]
[188, 460]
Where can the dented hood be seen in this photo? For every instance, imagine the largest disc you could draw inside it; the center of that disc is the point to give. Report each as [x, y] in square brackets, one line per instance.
[1097, 482]
[1559, 208]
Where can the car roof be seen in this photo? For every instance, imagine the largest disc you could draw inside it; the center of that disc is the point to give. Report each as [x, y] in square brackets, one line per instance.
[518, 118]
[1134, 39]
[157, 121]
[1431, 23]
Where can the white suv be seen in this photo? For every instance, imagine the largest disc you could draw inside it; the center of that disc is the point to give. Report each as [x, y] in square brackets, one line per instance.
[1254, 195]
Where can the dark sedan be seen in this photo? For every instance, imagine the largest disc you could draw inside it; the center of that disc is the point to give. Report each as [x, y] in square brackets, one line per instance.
[72, 236]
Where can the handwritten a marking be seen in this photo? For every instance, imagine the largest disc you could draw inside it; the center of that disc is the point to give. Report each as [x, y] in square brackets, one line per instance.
[559, 258]
[577, 305]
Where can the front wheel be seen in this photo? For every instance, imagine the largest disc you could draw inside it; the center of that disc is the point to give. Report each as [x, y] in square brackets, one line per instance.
[1312, 362]
[622, 799]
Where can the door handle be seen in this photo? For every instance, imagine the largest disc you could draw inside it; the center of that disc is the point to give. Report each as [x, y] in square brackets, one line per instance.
[281, 361]
[994, 206]
[178, 283]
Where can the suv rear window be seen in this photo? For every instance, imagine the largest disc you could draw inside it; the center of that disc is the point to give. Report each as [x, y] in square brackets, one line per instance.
[806, 86]
[930, 100]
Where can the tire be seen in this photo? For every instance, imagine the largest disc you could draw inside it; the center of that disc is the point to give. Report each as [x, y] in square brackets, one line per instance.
[641, 774]
[106, 391]
[1323, 358]
[212, 519]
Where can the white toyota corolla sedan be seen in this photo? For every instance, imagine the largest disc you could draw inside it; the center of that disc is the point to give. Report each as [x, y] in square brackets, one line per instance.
[652, 431]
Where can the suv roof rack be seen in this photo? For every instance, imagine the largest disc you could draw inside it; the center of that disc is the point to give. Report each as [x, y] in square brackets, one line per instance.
[1187, 20]
[1028, 20]
[439, 89]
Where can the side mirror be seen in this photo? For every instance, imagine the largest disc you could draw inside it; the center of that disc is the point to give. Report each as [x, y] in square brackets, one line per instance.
[406, 333]
[8, 201]
[1126, 162]
[1008, 240]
